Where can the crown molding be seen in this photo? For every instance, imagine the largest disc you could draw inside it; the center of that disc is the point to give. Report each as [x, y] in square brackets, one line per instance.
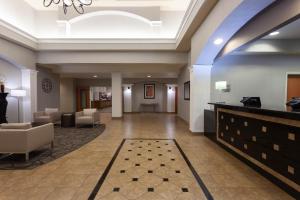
[20, 37]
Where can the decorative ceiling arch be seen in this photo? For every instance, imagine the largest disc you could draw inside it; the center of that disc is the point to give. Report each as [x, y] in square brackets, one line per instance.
[115, 13]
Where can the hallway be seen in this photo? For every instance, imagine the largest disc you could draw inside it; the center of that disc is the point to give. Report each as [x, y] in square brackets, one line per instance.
[75, 175]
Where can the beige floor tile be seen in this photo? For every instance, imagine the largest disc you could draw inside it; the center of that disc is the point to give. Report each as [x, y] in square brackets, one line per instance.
[74, 176]
[62, 193]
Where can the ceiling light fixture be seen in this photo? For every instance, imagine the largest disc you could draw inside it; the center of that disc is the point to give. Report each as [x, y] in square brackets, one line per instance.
[95, 76]
[77, 4]
[274, 33]
[149, 76]
[218, 41]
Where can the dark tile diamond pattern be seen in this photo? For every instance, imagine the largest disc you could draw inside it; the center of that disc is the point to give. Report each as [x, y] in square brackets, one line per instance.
[147, 170]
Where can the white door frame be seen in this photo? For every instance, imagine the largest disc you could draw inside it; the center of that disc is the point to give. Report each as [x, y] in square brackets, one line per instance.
[286, 83]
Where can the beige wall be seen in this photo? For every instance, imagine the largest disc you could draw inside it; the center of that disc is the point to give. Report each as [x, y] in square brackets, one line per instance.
[93, 82]
[160, 96]
[51, 99]
[21, 56]
[67, 95]
[264, 76]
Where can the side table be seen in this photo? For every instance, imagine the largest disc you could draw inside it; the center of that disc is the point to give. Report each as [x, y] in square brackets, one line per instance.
[68, 120]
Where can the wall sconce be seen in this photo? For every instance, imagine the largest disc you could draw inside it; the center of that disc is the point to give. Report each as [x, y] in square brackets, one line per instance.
[222, 86]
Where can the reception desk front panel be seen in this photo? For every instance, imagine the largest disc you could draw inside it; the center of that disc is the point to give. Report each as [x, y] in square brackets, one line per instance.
[271, 143]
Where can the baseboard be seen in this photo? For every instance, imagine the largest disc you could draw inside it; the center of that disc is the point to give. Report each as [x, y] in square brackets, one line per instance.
[117, 117]
[196, 133]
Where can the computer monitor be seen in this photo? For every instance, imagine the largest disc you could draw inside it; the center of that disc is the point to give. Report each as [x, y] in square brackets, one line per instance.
[251, 102]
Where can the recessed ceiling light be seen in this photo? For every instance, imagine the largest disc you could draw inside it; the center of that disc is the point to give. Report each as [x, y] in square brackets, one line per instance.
[274, 33]
[218, 41]
[95, 76]
[149, 76]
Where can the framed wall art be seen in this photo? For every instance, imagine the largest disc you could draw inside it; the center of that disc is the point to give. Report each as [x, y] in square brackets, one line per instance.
[187, 90]
[149, 91]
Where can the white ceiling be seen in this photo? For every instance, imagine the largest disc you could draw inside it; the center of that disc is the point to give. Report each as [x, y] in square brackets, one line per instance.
[290, 31]
[178, 5]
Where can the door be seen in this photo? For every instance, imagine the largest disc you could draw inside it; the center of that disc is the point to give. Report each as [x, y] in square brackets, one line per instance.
[83, 98]
[293, 87]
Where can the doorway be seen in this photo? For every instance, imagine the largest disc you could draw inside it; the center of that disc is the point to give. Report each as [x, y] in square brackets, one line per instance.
[83, 98]
[293, 87]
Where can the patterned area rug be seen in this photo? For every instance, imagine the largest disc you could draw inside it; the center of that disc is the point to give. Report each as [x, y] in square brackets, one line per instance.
[66, 140]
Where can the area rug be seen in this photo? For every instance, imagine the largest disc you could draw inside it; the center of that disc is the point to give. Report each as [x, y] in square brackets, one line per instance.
[66, 140]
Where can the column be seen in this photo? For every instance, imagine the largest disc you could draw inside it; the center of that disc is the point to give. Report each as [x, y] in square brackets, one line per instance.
[199, 95]
[171, 92]
[29, 102]
[116, 80]
[127, 95]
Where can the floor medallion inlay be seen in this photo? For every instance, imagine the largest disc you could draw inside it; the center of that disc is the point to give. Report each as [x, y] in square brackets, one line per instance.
[143, 166]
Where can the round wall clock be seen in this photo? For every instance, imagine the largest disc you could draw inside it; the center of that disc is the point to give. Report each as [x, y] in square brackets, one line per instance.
[47, 85]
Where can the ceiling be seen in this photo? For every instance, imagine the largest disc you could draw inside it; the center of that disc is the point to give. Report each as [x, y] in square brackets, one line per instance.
[289, 31]
[163, 4]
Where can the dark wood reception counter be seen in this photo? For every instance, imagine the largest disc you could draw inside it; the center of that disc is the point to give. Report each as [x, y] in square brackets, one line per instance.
[266, 138]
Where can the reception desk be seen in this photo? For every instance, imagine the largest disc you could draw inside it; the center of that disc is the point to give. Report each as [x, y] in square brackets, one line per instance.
[268, 139]
[100, 104]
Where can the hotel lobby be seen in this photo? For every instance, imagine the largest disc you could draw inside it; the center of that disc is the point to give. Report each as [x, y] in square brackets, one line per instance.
[149, 100]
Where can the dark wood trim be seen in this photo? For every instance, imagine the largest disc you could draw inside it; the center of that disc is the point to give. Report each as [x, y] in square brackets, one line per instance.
[117, 117]
[78, 102]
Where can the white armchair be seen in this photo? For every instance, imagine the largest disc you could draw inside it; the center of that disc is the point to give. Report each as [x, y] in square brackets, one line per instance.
[21, 138]
[87, 116]
[50, 115]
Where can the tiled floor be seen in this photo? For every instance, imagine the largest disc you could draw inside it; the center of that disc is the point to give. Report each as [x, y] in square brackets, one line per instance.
[150, 166]
[74, 176]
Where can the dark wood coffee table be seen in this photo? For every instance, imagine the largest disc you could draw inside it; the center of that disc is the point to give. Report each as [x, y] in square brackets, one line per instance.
[68, 120]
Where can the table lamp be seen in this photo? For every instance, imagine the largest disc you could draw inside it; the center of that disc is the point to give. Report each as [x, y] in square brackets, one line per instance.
[18, 94]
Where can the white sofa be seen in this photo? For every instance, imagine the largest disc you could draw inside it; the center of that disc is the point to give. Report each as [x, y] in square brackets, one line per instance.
[50, 115]
[87, 116]
[22, 138]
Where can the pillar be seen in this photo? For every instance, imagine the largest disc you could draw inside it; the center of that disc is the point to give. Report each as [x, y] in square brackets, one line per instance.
[116, 95]
[171, 92]
[199, 95]
[29, 102]
[127, 95]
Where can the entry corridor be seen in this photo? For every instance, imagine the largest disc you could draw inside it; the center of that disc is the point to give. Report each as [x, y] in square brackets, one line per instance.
[118, 165]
